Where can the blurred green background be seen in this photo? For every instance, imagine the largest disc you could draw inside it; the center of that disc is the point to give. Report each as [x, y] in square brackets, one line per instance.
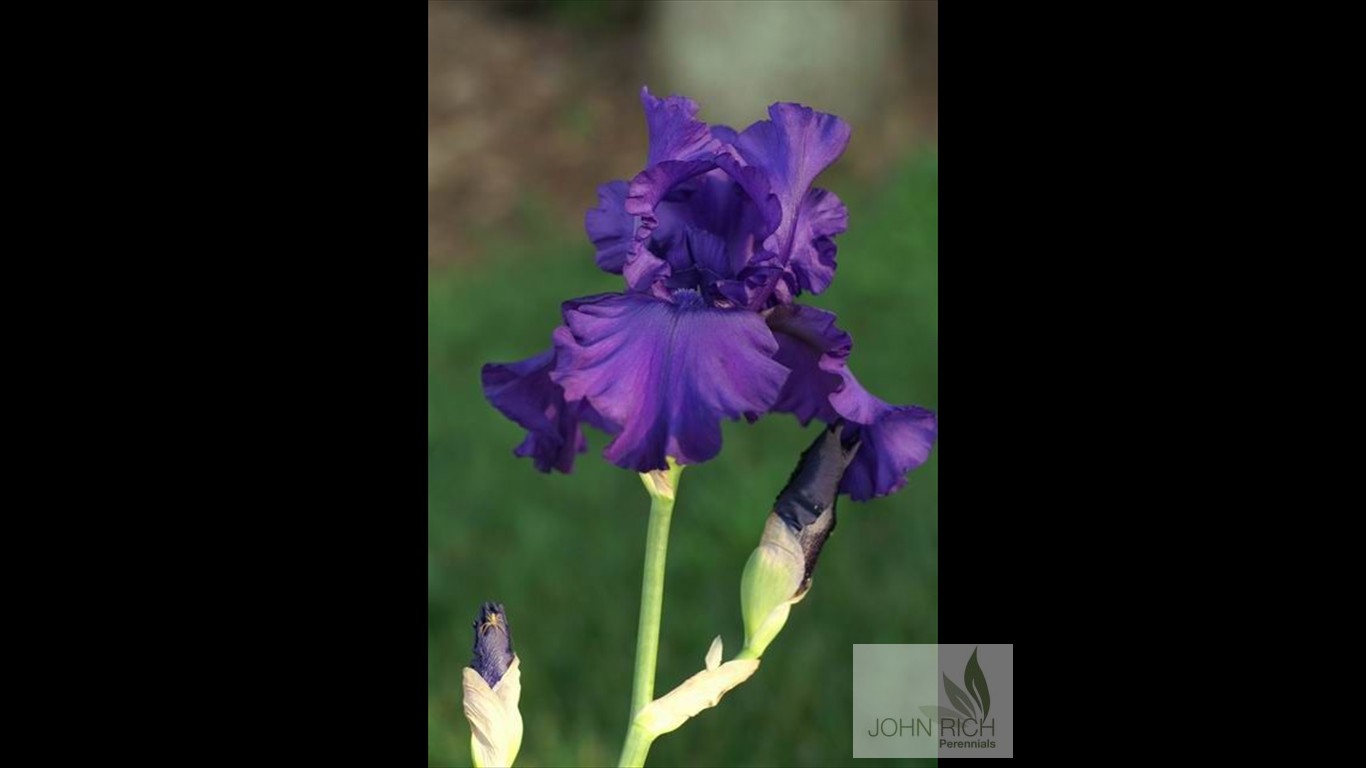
[563, 552]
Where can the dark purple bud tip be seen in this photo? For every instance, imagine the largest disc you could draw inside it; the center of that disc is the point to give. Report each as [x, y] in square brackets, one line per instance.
[807, 503]
[815, 482]
[492, 643]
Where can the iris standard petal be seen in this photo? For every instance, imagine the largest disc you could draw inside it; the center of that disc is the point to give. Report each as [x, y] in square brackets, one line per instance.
[693, 179]
[610, 227]
[762, 208]
[894, 439]
[812, 258]
[677, 140]
[717, 205]
[681, 147]
[710, 202]
[524, 392]
[675, 131]
[792, 148]
[644, 194]
[666, 372]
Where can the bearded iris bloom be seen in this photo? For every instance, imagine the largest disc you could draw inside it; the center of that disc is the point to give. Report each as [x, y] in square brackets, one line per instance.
[715, 240]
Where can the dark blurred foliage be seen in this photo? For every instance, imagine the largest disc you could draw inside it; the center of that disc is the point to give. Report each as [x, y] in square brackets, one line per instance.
[594, 16]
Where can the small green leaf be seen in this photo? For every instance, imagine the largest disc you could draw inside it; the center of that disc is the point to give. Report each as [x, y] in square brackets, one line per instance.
[976, 683]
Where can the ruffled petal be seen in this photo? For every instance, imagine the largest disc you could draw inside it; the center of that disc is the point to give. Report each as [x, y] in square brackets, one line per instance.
[792, 148]
[675, 131]
[648, 188]
[894, 439]
[681, 147]
[644, 270]
[673, 198]
[667, 373]
[715, 202]
[694, 179]
[717, 207]
[743, 207]
[898, 441]
[610, 227]
[524, 392]
[644, 194]
[815, 350]
[812, 259]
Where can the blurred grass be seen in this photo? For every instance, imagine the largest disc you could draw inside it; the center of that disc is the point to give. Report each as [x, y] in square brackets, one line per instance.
[564, 552]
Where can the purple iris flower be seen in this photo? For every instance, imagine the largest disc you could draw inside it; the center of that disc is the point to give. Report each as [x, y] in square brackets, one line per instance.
[715, 239]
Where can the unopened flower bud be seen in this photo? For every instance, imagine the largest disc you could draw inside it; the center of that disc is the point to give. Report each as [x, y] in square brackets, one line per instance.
[778, 573]
[493, 686]
[492, 643]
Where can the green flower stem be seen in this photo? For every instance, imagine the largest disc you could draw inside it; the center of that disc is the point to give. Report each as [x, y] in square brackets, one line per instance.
[662, 487]
[636, 748]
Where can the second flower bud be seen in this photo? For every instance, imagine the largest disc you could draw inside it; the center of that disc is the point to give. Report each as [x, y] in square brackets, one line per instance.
[778, 573]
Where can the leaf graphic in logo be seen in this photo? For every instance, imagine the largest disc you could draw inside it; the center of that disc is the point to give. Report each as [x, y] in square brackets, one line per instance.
[976, 683]
[959, 699]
